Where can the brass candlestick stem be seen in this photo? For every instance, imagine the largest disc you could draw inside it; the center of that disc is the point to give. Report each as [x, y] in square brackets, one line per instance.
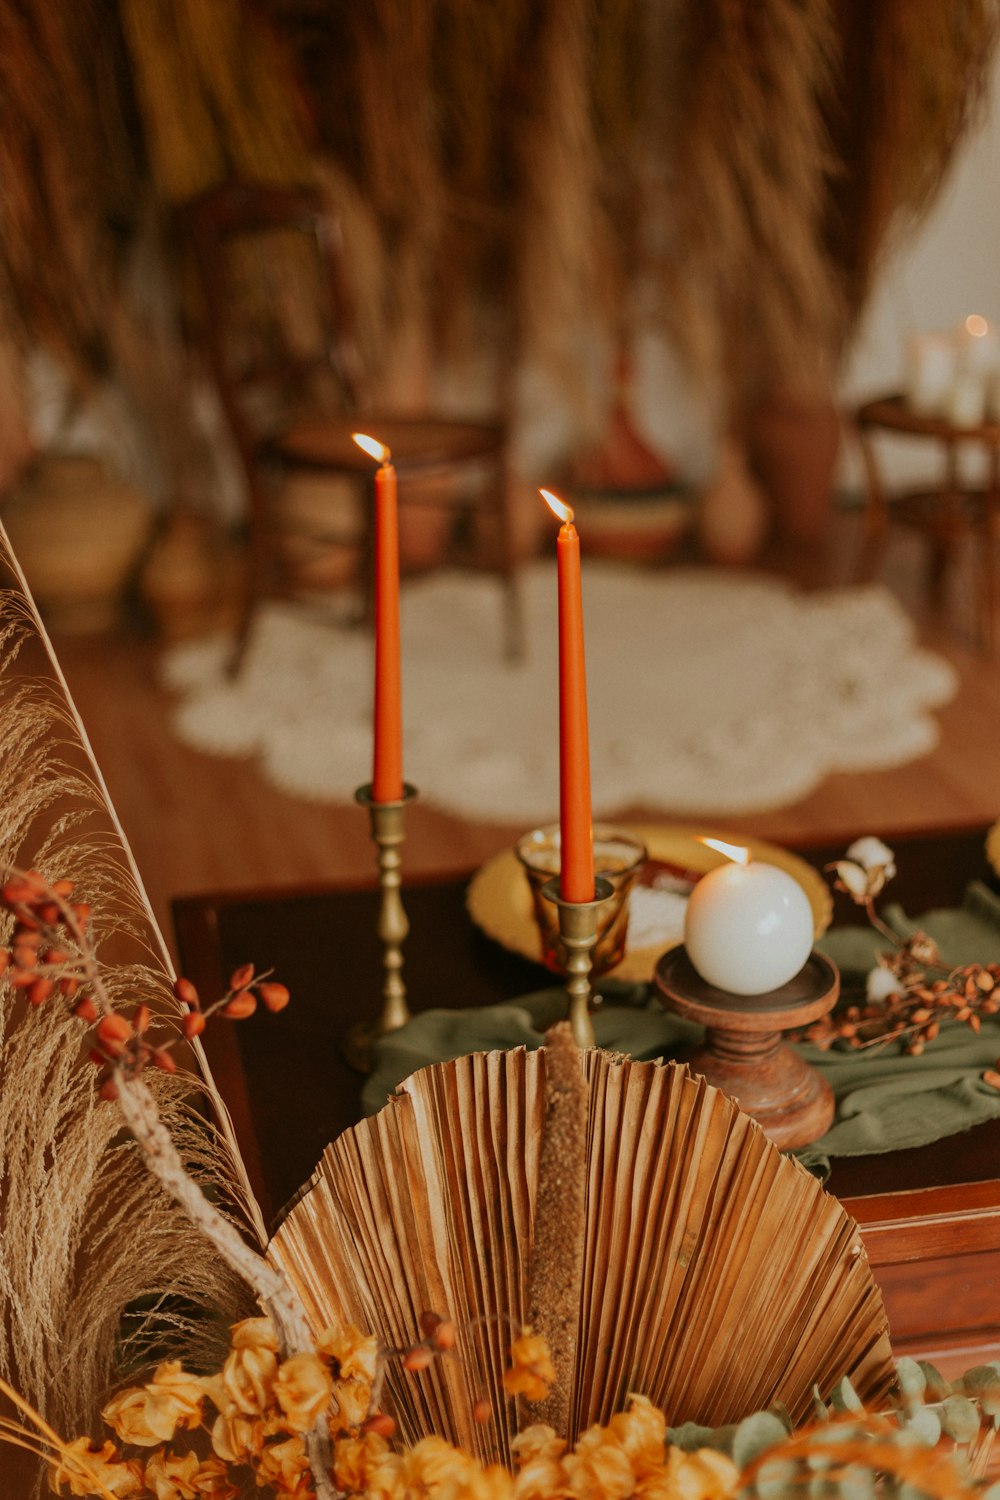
[388, 825]
[578, 935]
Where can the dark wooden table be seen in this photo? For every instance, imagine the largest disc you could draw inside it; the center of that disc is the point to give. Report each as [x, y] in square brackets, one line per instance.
[930, 1216]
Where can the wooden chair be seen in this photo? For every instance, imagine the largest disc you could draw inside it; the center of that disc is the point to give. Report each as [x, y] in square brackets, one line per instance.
[278, 335]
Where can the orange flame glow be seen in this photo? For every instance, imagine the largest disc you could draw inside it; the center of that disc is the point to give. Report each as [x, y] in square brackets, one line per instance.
[977, 326]
[734, 852]
[560, 508]
[377, 450]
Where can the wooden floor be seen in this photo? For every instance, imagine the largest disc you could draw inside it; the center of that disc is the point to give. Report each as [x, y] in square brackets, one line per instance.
[199, 823]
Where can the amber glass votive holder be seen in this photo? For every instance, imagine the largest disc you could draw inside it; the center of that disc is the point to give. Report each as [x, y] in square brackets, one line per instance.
[618, 857]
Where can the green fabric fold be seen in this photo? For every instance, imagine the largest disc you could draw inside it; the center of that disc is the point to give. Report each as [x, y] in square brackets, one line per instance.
[885, 1100]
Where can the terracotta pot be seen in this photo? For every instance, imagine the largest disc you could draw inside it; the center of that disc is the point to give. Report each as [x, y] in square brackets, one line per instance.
[77, 531]
[793, 443]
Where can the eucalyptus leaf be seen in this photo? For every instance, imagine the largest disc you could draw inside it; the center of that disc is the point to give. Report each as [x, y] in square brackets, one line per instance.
[923, 1426]
[911, 1379]
[959, 1419]
[857, 1483]
[983, 1382]
[691, 1436]
[755, 1436]
[777, 1478]
[845, 1398]
[937, 1387]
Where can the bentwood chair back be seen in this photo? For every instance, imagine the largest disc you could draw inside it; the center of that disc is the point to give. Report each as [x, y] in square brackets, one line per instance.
[278, 336]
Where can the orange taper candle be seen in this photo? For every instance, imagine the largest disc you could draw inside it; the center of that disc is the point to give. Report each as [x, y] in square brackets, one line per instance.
[387, 766]
[576, 875]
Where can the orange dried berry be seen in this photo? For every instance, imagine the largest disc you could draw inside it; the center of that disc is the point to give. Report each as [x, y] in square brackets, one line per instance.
[39, 991]
[379, 1423]
[21, 978]
[417, 1358]
[22, 890]
[429, 1323]
[49, 913]
[85, 1009]
[193, 1024]
[482, 1413]
[274, 996]
[445, 1334]
[24, 957]
[141, 1019]
[55, 956]
[113, 1032]
[69, 986]
[108, 1090]
[62, 888]
[81, 911]
[27, 937]
[186, 993]
[241, 977]
[241, 1005]
[163, 1060]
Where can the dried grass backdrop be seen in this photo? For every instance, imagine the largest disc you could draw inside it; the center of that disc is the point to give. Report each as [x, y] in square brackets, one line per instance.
[511, 174]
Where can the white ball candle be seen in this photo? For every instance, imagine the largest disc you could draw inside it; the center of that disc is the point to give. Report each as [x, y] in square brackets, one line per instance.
[748, 927]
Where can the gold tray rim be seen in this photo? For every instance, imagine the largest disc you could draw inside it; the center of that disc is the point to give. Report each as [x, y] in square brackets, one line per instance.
[499, 902]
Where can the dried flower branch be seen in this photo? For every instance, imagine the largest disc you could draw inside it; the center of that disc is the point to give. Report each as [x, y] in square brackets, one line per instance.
[911, 992]
[50, 954]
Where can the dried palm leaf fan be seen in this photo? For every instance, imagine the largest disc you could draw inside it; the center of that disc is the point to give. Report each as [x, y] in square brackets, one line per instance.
[627, 1210]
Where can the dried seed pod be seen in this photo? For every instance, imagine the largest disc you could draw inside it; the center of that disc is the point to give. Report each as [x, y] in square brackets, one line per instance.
[241, 1005]
[109, 1090]
[417, 1358]
[193, 1024]
[141, 1019]
[275, 996]
[163, 1060]
[380, 1423]
[39, 991]
[241, 977]
[482, 1413]
[85, 1009]
[186, 993]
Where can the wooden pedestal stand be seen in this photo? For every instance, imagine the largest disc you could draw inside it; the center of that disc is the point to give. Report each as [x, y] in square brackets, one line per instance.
[743, 1053]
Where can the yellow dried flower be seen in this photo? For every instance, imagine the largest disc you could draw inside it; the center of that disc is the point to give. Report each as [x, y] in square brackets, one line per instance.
[641, 1430]
[531, 1373]
[254, 1333]
[353, 1401]
[599, 1468]
[174, 1400]
[283, 1464]
[127, 1415]
[248, 1378]
[238, 1439]
[704, 1475]
[82, 1462]
[302, 1387]
[355, 1459]
[171, 1476]
[356, 1353]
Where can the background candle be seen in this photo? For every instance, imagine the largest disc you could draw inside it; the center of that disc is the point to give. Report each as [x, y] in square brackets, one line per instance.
[576, 874]
[748, 927]
[387, 758]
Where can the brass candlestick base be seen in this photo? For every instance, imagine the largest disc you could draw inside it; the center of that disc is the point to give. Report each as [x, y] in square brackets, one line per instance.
[744, 1054]
[388, 825]
[578, 935]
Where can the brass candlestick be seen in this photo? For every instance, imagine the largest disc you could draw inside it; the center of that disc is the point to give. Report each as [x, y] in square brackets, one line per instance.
[578, 935]
[388, 825]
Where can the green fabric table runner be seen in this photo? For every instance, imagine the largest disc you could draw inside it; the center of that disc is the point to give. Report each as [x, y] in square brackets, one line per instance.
[885, 1101]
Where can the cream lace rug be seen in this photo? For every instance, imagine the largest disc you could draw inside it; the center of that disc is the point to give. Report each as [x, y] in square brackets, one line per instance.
[708, 692]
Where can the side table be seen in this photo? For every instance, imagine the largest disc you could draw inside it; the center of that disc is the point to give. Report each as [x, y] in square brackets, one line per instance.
[947, 514]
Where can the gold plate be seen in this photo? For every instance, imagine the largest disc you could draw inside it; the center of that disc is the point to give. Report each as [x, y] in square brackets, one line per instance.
[499, 901]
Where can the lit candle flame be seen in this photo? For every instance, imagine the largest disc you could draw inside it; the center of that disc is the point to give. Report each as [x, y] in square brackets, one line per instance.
[735, 852]
[559, 507]
[377, 450]
[977, 326]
